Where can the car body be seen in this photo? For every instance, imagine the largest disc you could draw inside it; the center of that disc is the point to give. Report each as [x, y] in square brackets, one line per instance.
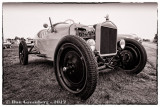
[46, 39]
[79, 51]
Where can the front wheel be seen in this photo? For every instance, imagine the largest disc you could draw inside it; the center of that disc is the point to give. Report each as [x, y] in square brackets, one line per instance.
[75, 66]
[133, 57]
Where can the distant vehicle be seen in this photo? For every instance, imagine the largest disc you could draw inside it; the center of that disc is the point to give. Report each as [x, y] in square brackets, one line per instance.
[155, 38]
[29, 42]
[131, 36]
[80, 51]
[146, 40]
[6, 45]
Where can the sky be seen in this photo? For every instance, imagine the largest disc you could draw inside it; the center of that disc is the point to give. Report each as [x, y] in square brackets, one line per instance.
[26, 19]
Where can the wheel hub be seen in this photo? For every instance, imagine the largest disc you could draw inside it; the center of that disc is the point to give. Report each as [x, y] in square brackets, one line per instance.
[126, 56]
[130, 57]
[21, 55]
[72, 68]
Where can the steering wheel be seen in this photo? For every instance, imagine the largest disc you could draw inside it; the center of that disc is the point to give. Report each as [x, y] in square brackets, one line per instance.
[70, 21]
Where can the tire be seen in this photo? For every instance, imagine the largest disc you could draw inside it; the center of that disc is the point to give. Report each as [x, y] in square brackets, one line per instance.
[75, 66]
[133, 57]
[23, 53]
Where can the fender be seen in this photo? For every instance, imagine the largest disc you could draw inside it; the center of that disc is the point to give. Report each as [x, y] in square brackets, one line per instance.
[130, 36]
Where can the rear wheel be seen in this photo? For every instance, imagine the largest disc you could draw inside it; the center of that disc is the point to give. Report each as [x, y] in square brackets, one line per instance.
[23, 53]
[133, 57]
[75, 66]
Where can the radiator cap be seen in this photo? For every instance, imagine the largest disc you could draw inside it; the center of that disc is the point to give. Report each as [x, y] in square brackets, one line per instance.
[108, 23]
[107, 17]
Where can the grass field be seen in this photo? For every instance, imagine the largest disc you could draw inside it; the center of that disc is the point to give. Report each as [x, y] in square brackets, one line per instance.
[36, 83]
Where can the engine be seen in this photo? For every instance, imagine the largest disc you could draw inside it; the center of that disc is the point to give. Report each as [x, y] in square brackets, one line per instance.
[85, 32]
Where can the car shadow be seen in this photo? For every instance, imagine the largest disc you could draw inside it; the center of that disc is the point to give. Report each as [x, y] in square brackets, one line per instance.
[40, 61]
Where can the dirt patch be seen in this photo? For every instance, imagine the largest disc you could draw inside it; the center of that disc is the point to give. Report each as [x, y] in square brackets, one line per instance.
[36, 83]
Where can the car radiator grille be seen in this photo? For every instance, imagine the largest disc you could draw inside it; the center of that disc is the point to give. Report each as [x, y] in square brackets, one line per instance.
[108, 44]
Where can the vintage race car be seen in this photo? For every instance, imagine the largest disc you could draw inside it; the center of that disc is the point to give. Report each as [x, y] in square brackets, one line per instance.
[79, 52]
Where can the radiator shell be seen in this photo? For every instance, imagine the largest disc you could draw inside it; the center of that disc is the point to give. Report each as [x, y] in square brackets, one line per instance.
[106, 38]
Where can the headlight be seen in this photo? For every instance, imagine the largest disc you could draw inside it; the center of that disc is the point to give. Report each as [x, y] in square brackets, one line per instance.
[122, 43]
[91, 43]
